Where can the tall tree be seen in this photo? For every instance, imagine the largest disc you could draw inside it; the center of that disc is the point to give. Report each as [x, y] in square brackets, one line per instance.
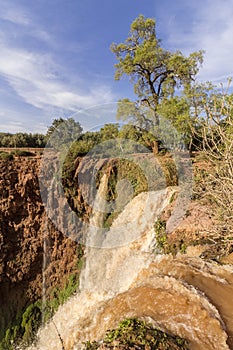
[155, 72]
[63, 132]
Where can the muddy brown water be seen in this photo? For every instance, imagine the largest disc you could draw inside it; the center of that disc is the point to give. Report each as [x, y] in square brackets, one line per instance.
[185, 295]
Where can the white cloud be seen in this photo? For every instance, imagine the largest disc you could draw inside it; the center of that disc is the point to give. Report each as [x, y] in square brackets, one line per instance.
[33, 77]
[13, 13]
[36, 77]
[40, 87]
[208, 26]
[22, 23]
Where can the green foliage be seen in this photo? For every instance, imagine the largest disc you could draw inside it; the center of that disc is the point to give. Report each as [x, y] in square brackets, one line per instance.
[62, 133]
[183, 247]
[23, 329]
[59, 296]
[155, 72]
[81, 148]
[132, 181]
[135, 333]
[110, 141]
[97, 143]
[15, 153]
[160, 234]
[162, 240]
[31, 320]
[6, 156]
[143, 140]
[22, 153]
[135, 113]
[177, 110]
[109, 131]
[22, 140]
[170, 171]
[129, 171]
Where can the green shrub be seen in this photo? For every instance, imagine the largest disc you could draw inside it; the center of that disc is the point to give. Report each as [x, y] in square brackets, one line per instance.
[137, 334]
[170, 170]
[161, 235]
[162, 241]
[6, 156]
[59, 296]
[24, 328]
[31, 320]
[22, 153]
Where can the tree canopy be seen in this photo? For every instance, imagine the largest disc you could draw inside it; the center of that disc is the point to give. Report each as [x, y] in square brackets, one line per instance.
[164, 82]
[155, 71]
[62, 132]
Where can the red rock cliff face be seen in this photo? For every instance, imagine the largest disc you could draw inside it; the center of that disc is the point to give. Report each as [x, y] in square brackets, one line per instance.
[24, 231]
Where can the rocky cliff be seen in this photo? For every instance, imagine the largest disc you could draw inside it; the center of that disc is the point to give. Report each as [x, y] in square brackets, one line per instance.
[25, 230]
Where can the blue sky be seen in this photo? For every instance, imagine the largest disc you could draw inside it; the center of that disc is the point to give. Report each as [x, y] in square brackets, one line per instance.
[55, 58]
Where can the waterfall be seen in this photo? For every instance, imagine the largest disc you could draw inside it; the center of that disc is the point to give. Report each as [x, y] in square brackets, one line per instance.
[95, 230]
[123, 278]
[114, 259]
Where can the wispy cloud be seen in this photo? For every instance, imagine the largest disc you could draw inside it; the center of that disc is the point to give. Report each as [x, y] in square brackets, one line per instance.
[208, 25]
[33, 78]
[13, 13]
[17, 25]
[19, 120]
[217, 40]
[37, 78]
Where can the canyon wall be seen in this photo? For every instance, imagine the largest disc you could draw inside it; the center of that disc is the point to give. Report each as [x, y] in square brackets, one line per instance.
[24, 232]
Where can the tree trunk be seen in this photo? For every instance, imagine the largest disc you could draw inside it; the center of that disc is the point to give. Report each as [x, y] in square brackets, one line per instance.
[155, 147]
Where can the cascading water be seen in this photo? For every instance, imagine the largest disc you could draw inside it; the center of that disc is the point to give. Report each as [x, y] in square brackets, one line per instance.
[123, 278]
[114, 258]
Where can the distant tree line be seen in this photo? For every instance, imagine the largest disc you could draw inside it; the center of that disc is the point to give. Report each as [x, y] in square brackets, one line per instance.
[22, 139]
